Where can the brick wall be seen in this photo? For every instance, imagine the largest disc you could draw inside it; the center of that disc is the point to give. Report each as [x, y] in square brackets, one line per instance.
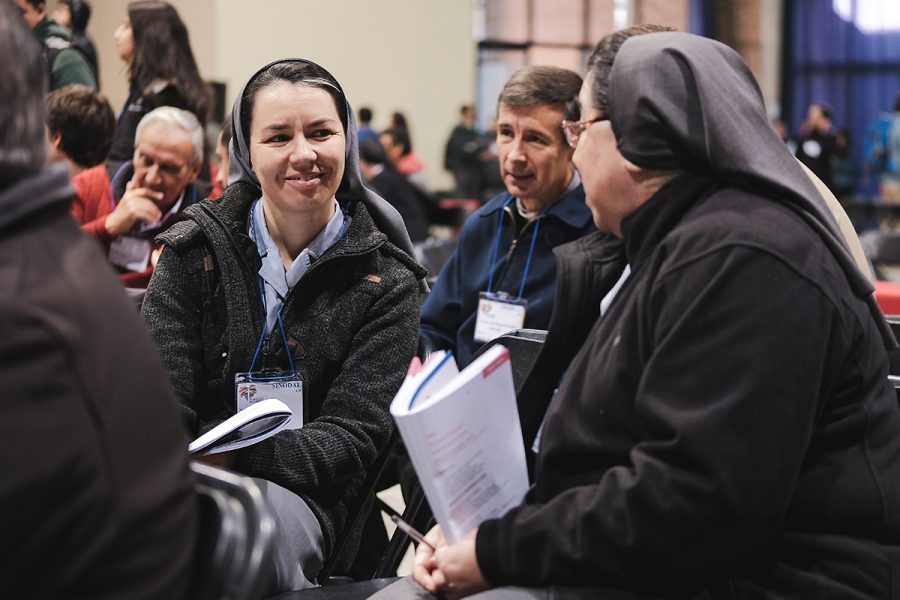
[737, 23]
[673, 13]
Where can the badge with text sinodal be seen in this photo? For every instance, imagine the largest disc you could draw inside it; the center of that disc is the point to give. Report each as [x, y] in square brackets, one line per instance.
[286, 386]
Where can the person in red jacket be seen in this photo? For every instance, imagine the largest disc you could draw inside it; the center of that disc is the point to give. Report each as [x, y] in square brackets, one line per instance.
[145, 196]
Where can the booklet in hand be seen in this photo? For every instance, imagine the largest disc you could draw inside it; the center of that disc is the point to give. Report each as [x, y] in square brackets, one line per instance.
[462, 433]
[249, 426]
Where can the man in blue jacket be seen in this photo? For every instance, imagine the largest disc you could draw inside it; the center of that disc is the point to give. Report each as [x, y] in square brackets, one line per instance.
[502, 275]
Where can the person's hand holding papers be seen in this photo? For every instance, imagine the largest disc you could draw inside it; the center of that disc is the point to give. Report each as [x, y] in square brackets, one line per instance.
[450, 570]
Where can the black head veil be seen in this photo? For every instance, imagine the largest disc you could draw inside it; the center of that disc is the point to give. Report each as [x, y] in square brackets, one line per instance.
[680, 101]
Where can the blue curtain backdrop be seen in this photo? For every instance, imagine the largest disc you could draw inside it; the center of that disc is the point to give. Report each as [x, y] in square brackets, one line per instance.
[843, 60]
[700, 17]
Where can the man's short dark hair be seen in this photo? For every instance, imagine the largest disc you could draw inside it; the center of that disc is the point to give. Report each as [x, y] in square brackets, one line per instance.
[23, 83]
[81, 14]
[365, 114]
[535, 85]
[399, 137]
[36, 3]
[85, 122]
[371, 151]
[601, 60]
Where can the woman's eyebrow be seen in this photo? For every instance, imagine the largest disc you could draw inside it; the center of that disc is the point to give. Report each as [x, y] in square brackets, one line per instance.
[283, 126]
[276, 126]
[322, 121]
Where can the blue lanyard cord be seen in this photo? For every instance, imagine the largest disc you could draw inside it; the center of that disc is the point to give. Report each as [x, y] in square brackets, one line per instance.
[262, 336]
[537, 224]
[496, 247]
[262, 296]
[112, 192]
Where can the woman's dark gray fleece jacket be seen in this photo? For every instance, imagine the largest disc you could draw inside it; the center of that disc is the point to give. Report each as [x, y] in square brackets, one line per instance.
[352, 326]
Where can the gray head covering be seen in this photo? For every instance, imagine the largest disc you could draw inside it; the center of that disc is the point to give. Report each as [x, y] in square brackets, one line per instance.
[385, 216]
[680, 101]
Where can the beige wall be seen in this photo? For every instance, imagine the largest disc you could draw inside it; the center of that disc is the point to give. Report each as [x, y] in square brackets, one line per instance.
[416, 56]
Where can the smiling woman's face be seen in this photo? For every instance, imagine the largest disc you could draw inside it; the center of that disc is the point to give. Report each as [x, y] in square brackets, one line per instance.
[297, 148]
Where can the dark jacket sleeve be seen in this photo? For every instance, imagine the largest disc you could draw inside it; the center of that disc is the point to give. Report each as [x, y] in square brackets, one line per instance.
[172, 309]
[442, 310]
[735, 360]
[51, 448]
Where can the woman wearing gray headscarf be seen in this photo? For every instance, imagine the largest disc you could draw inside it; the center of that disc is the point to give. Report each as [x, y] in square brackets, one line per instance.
[298, 279]
[726, 429]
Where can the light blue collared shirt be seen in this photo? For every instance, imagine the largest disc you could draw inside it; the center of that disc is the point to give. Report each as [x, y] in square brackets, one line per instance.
[278, 281]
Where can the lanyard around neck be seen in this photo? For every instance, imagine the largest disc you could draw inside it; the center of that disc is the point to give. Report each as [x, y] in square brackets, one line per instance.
[537, 224]
[262, 336]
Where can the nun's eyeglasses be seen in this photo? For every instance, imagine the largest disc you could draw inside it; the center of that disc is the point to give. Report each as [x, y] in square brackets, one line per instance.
[574, 129]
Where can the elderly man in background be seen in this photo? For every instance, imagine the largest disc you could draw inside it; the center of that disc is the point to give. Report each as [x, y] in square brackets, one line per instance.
[502, 275]
[150, 192]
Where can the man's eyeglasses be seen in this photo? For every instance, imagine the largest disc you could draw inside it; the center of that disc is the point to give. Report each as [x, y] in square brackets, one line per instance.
[574, 129]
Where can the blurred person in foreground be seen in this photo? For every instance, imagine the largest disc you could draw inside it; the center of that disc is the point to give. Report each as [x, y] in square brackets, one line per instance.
[96, 499]
[726, 428]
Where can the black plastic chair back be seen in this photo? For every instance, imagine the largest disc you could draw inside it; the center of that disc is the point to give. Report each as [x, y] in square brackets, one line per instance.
[524, 345]
[358, 510]
[235, 536]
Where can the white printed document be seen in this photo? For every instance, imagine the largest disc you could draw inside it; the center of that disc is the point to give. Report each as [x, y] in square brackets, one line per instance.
[249, 426]
[462, 433]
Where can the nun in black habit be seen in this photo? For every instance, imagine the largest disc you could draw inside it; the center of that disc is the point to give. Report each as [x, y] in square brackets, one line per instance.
[726, 429]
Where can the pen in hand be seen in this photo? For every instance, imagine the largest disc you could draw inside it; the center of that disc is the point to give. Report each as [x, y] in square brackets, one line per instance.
[410, 531]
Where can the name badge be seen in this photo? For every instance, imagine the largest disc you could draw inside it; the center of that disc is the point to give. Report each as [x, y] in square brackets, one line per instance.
[250, 388]
[498, 314]
[130, 253]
